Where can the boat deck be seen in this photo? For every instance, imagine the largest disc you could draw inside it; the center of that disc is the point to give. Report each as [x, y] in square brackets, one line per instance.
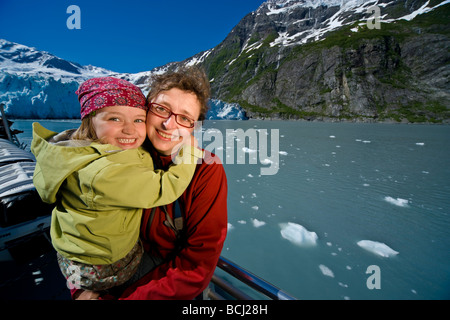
[30, 272]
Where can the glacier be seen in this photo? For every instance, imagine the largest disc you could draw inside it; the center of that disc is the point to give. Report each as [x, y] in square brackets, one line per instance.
[35, 97]
[38, 85]
[220, 110]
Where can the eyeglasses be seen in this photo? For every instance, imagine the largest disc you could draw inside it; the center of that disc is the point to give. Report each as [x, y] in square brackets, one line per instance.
[165, 113]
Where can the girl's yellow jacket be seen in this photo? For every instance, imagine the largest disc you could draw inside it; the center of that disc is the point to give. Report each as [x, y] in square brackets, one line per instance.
[99, 191]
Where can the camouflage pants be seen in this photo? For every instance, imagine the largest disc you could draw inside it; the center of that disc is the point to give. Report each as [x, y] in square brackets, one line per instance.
[100, 277]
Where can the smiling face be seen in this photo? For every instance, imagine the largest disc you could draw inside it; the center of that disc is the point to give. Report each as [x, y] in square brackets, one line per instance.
[166, 134]
[121, 126]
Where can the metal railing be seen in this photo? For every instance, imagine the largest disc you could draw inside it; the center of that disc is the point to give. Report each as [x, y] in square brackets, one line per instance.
[8, 134]
[5, 123]
[253, 281]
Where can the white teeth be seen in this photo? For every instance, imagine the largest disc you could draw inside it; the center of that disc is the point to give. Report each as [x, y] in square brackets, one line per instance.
[167, 136]
[126, 140]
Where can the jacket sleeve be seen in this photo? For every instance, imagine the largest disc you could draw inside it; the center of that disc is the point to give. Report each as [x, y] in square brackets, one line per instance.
[140, 186]
[190, 272]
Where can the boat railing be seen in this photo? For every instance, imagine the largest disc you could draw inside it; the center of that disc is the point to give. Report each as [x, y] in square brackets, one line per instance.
[6, 132]
[219, 284]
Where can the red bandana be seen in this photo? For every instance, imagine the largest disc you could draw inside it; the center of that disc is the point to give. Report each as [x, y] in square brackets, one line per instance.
[98, 93]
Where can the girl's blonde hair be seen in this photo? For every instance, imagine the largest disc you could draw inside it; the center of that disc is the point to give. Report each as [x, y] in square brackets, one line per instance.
[86, 131]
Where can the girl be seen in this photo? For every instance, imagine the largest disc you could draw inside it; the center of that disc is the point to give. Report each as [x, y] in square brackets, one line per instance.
[100, 177]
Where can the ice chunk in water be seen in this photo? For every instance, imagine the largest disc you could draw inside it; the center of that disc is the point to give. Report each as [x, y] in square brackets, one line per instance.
[248, 150]
[326, 271]
[257, 223]
[378, 248]
[266, 161]
[398, 202]
[298, 234]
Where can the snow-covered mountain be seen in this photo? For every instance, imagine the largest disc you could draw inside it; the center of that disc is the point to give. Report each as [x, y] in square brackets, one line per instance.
[312, 59]
[331, 60]
[39, 85]
[299, 30]
[298, 22]
[26, 61]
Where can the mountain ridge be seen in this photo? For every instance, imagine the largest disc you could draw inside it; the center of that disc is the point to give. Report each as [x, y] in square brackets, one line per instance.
[297, 59]
[324, 63]
[16, 58]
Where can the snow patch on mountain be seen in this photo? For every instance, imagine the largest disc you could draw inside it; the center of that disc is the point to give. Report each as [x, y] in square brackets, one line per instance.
[338, 20]
[349, 12]
[284, 6]
[197, 59]
[424, 9]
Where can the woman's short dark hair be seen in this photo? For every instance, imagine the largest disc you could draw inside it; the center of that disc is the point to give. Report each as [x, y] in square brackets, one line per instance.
[191, 79]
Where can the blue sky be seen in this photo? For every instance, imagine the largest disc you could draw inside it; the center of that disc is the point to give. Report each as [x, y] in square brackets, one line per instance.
[125, 35]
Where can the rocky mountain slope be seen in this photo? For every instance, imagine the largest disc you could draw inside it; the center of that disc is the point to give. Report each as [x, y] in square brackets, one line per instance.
[325, 60]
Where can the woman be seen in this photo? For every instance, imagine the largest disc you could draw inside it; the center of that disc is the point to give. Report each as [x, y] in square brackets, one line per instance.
[184, 263]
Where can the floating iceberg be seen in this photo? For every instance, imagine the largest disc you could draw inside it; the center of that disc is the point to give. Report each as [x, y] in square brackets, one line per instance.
[398, 202]
[298, 234]
[326, 271]
[257, 223]
[266, 161]
[378, 248]
[248, 150]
